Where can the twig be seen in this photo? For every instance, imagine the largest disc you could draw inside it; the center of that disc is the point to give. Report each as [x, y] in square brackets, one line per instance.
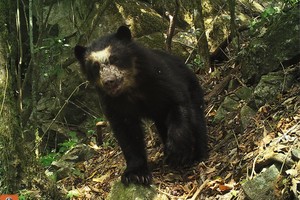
[220, 87]
[286, 156]
[191, 191]
[85, 110]
[236, 140]
[199, 189]
[171, 29]
[253, 167]
[60, 110]
[220, 144]
[165, 193]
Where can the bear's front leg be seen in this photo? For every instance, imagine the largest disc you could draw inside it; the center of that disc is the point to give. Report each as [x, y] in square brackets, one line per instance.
[129, 134]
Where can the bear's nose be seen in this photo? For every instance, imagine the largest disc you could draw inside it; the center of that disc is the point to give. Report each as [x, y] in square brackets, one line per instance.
[113, 86]
[110, 82]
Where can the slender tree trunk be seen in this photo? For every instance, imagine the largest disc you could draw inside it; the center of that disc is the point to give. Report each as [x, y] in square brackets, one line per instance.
[19, 166]
[11, 151]
[203, 49]
[233, 30]
[171, 30]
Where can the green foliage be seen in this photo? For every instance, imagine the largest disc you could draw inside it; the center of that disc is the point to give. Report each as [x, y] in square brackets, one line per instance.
[291, 2]
[48, 159]
[25, 194]
[50, 52]
[22, 197]
[69, 144]
[269, 13]
[109, 142]
[98, 119]
[65, 146]
[73, 193]
[90, 132]
[52, 47]
[265, 18]
[196, 63]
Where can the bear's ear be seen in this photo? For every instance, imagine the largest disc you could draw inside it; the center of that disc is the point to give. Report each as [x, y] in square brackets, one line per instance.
[79, 52]
[123, 33]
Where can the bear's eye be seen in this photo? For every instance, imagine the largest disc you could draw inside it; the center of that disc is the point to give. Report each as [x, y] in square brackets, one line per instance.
[113, 59]
[96, 65]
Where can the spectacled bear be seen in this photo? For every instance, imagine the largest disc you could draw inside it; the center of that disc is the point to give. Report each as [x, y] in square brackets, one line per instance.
[136, 83]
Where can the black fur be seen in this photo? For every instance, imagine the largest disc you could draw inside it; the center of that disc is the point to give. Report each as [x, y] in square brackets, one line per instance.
[164, 90]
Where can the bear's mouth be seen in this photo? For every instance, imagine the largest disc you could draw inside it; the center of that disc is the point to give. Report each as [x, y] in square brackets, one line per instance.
[115, 88]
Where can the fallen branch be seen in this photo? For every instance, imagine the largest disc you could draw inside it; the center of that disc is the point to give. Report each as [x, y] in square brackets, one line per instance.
[218, 88]
[199, 189]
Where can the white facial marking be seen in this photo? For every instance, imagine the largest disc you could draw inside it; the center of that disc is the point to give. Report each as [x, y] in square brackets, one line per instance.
[101, 56]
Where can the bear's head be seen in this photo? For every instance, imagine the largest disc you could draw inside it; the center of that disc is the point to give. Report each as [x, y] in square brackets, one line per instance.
[109, 62]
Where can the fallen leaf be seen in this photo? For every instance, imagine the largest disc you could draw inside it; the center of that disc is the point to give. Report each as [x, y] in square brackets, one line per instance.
[210, 170]
[292, 172]
[224, 188]
[101, 179]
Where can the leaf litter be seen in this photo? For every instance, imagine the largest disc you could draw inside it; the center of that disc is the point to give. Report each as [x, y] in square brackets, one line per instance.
[235, 156]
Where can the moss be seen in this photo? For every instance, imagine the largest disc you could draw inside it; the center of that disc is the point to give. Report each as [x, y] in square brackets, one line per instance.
[226, 110]
[153, 41]
[157, 41]
[247, 115]
[244, 93]
[270, 86]
[138, 192]
[278, 44]
[142, 19]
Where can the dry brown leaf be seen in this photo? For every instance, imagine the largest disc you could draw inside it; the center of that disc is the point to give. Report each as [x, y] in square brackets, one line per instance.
[228, 176]
[214, 184]
[210, 170]
[263, 109]
[224, 188]
[102, 178]
[267, 139]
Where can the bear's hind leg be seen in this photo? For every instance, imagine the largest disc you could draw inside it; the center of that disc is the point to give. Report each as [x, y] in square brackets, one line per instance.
[199, 124]
[180, 141]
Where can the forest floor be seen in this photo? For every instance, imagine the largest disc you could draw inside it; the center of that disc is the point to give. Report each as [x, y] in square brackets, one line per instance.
[236, 154]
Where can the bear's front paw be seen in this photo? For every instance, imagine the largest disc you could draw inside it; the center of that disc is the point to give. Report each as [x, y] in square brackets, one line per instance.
[137, 176]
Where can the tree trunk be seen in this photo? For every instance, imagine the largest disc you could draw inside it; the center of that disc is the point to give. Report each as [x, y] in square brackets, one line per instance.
[233, 29]
[19, 166]
[202, 40]
[173, 19]
[13, 159]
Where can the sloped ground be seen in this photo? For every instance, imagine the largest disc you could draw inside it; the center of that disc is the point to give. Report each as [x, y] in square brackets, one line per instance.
[236, 155]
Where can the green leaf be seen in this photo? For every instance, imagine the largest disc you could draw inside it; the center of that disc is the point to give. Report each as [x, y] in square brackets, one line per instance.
[48, 159]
